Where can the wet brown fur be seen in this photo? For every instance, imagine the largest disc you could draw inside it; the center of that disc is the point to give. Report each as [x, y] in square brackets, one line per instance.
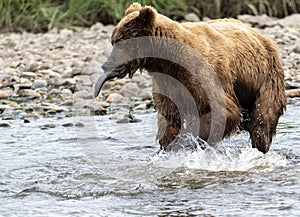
[246, 63]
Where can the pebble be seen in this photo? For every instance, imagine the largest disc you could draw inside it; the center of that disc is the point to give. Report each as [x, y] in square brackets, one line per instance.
[142, 106]
[146, 94]
[34, 115]
[39, 84]
[260, 21]
[120, 82]
[28, 75]
[68, 102]
[97, 27]
[293, 93]
[192, 17]
[29, 93]
[84, 80]
[69, 81]
[3, 95]
[83, 94]
[130, 89]
[114, 98]
[297, 49]
[66, 94]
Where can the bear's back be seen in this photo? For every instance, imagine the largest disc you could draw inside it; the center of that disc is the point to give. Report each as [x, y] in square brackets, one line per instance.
[228, 31]
[230, 44]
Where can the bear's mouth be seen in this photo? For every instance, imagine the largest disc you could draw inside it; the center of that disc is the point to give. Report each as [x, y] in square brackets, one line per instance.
[119, 72]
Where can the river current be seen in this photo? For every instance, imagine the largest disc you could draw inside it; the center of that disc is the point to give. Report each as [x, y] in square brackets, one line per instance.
[50, 167]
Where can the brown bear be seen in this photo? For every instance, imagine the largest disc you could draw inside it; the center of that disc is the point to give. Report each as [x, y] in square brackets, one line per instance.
[216, 77]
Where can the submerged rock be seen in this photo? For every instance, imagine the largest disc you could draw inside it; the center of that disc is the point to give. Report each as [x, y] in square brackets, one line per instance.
[47, 126]
[4, 125]
[79, 124]
[68, 125]
[129, 118]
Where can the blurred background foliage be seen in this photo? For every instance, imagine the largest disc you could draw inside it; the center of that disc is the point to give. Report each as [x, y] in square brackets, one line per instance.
[43, 15]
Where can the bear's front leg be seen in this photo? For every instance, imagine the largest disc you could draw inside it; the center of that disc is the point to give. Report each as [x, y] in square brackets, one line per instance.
[264, 119]
[168, 130]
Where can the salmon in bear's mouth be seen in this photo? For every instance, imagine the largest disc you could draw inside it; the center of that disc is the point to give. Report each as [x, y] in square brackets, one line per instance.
[119, 72]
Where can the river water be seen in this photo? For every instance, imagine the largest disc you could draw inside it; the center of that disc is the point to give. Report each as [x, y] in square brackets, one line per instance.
[100, 168]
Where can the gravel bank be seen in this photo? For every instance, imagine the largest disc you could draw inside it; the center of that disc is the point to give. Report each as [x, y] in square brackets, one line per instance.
[51, 74]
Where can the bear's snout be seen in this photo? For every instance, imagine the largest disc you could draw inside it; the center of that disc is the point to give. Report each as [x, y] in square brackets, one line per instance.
[107, 66]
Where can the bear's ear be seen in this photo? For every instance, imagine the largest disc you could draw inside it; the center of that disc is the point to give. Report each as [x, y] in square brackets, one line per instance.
[133, 7]
[147, 16]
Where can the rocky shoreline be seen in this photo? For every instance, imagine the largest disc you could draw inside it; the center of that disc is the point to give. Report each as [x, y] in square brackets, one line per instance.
[51, 74]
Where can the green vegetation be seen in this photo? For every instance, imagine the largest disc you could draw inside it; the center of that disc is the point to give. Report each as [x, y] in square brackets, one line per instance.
[43, 15]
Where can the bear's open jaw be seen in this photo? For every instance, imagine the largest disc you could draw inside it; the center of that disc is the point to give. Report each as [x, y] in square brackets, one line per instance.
[119, 72]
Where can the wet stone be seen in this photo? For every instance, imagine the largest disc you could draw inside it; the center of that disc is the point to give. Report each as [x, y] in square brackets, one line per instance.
[4, 125]
[46, 126]
[128, 118]
[26, 121]
[123, 121]
[68, 125]
[98, 111]
[79, 124]
[51, 112]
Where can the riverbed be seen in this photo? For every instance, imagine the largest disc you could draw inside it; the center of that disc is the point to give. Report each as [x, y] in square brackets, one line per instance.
[92, 166]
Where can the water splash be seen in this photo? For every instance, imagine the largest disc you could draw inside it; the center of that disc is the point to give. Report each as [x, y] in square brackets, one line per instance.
[227, 157]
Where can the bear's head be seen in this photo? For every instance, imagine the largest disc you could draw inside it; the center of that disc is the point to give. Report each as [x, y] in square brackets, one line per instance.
[138, 22]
